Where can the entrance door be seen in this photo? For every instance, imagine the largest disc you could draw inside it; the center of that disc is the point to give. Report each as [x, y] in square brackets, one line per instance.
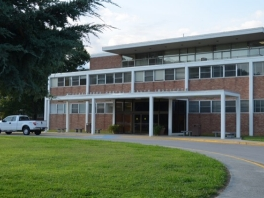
[141, 123]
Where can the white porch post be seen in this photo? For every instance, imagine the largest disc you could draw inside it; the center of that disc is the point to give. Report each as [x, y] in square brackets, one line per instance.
[151, 115]
[87, 84]
[132, 81]
[238, 117]
[47, 113]
[86, 114]
[170, 118]
[67, 116]
[113, 115]
[93, 117]
[251, 99]
[223, 116]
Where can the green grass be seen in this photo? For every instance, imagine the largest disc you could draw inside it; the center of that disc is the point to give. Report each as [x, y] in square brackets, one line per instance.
[46, 167]
[254, 138]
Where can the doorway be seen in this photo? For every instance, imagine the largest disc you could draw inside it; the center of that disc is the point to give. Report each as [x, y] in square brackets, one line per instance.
[141, 123]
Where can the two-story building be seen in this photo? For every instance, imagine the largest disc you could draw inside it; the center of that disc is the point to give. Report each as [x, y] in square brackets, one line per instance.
[204, 83]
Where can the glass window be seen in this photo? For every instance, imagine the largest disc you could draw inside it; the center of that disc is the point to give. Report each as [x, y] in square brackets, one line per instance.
[244, 105]
[217, 55]
[101, 79]
[100, 108]
[204, 49]
[53, 108]
[205, 106]
[159, 75]
[242, 69]
[204, 56]
[60, 108]
[108, 107]
[93, 79]
[141, 62]
[127, 77]
[118, 77]
[60, 82]
[148, 76]
[142, 56]
[239, 53]
[216, 106]
[258, 68]
[75, 80]
[82, 108]
[128, 106]
[193, 72]
[183, 58]
[179, 73]
[217, 71]
[230, 106]
[171, 59]
[254, 52]
[258, 105]
[169, 74]
[205, 72]
[90, 108]
[226, 55]
[119, 106]
[191, 58]
[82, 80]
[230, 70]
[67, 81]
[225, 47]
[139, 76]
[110, 78]
[194, 106]
[74, 108]
[53, 82]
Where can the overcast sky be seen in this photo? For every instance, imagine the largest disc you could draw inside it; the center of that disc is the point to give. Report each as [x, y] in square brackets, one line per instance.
[147, 20]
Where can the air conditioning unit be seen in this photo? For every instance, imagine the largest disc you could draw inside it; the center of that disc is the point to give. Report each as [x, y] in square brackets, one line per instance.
[203, 59]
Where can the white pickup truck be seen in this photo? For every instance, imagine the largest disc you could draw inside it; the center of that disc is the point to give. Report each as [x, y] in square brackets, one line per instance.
[22, 123]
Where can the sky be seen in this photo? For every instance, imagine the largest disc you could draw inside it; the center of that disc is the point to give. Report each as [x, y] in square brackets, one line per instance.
[148, 20]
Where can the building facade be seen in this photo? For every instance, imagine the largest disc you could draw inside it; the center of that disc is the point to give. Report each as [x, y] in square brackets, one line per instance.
[203, 83]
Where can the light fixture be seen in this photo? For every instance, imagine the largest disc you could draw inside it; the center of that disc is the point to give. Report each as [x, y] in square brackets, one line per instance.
[261, 42]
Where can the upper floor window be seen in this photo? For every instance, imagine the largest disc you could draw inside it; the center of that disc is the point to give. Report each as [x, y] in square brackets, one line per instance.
[110, 78]
[258, 68]
[68, 81]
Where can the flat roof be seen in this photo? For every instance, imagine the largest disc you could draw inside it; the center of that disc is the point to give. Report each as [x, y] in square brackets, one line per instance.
[252, 34]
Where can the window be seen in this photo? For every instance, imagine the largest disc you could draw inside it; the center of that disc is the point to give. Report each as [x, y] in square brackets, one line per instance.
[217, 71]
[67, 81]
[108, 107]
[244, 105]
[148, 76]
[74, 108]
[53, 82]
[139, 76]
[242, 69]
[100, 108]
[230, 106]
[75, 80]
[60, 82]
[230, 70]
[194, 72]
[159, 75]
[93, 79]
[205, 106]
[179, 73]
[118, 77]
[82, 80]
[205, 72]
[110, 79]
[101, 79]
[169, 74]
[82, 108]
[60, 108]
[216, 106]
[258, 105]
[127, 77]
[258, 68]
[194, 106]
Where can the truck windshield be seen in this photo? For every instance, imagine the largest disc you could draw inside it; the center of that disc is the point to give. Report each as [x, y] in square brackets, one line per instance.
[22, 118]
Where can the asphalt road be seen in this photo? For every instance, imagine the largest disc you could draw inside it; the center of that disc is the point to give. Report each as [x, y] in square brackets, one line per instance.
[244, 162]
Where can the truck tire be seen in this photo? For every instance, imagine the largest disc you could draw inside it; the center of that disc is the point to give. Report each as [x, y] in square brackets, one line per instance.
[8, 133]
[37, 132]
[26, 130]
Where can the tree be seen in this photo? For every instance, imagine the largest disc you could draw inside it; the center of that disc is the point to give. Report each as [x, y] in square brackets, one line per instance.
[40, 37]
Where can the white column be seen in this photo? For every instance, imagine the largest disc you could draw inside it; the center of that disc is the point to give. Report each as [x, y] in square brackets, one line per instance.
[170, 118]
[251, 99]
[187, 115]
[223, 118]
[151, 102]
[87, 84]
[113, 115]
[47, 118]
[186, 79]
[238, 117]
[93, 117]
[132, 81]
[86, 114]
[67, 116]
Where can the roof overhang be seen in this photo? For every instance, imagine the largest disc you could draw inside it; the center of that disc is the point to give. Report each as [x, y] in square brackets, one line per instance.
[253, 34]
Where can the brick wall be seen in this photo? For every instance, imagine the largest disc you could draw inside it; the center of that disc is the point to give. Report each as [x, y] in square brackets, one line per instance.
[163, 85]
[110, 88]
[106, 62]
[57, 121]
[258, 124]
[62, 91]
[258, 87]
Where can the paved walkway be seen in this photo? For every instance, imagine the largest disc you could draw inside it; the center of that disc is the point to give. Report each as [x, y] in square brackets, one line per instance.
[244, 159]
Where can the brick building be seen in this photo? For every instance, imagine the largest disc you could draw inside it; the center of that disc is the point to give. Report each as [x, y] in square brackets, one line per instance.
[203, 83]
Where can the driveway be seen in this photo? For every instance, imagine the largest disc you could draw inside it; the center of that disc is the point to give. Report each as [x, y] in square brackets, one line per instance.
[244, 160]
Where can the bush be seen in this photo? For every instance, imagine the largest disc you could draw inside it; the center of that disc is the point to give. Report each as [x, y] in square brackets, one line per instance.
[113, 128]
[157, 129]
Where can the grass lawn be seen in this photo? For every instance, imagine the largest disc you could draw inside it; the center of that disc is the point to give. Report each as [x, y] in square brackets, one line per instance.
[255, 138]
[47, 167]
